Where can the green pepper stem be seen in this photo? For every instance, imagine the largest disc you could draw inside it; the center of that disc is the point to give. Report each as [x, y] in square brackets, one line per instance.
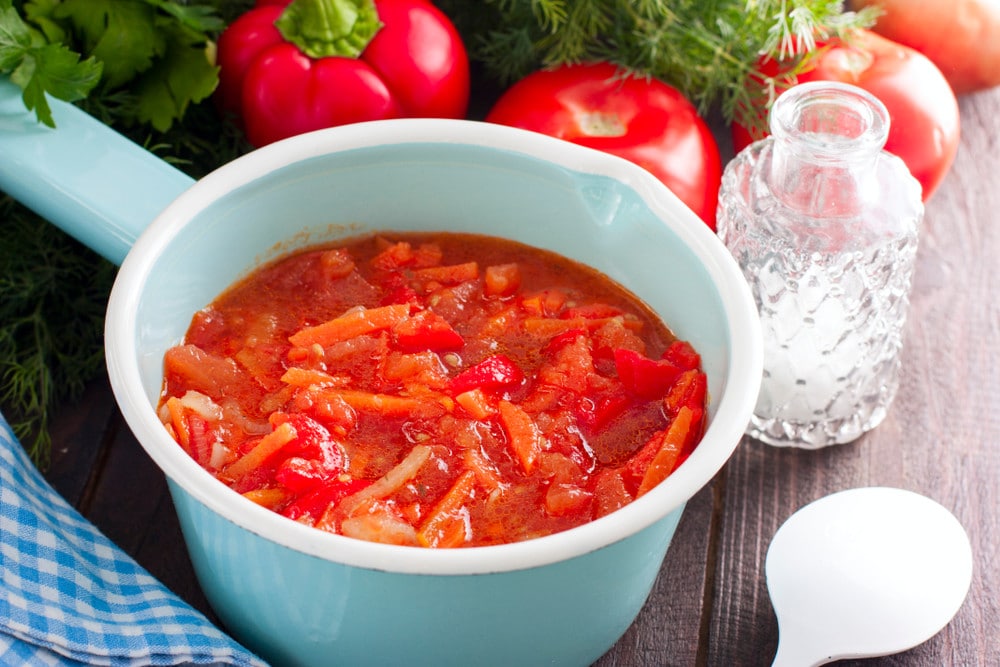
[322, 28]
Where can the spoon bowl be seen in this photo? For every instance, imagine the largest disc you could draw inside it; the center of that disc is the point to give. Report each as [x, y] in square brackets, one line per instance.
[863, 573]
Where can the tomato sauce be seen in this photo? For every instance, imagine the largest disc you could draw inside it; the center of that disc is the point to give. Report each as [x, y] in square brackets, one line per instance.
[437, 390]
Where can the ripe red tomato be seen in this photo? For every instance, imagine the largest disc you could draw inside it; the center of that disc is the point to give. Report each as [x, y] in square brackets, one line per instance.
[642, 120]
[407, 61]
[961, 37]
[923, 110]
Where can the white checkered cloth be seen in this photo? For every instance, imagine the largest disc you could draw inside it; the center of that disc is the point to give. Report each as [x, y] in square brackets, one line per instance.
[69, 596]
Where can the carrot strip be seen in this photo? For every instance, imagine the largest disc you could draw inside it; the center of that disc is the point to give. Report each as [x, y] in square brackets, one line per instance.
[388, 404]
[269, 498]
[307, 377]
[267, 446]
[176, 411]
[522, 433]
[351, 324]
[670, 450]
[446, 526]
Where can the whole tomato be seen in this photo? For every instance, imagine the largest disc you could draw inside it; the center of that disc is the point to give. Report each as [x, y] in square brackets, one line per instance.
[961, 37]
[640, 119]
[293, 66]
[923, 110]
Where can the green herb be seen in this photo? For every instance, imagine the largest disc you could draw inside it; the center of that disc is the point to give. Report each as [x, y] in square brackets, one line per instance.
[707, 49]
[40, 67]
[155, 53]
[153, 87]
[52, 298]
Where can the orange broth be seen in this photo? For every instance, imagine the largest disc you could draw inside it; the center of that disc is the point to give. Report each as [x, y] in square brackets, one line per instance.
[437, 390]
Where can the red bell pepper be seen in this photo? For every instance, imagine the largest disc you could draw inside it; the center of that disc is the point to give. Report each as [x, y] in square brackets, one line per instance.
[288, 67]
[426, 330]
[645, 377]
[314, 502]
[490, 373]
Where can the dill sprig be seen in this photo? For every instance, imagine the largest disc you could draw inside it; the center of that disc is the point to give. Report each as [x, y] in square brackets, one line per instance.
[52, 298]
[707, 49]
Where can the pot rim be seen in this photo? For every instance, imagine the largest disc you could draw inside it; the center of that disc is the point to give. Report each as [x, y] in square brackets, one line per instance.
[725, 430]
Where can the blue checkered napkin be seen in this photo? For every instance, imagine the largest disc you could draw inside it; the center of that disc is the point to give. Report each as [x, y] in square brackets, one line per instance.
[68, 595]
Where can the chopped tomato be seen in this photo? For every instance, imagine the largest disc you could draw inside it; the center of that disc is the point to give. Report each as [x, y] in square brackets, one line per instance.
[502, 279]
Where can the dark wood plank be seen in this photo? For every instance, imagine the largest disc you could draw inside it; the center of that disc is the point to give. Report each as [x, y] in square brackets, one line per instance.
[667, 630]
[80, 434]
[940, 437]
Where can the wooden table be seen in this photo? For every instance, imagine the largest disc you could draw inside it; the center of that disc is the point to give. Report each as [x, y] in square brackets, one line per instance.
[710, 604]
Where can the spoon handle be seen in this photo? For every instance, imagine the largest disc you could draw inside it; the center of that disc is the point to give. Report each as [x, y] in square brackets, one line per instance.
[792, 653]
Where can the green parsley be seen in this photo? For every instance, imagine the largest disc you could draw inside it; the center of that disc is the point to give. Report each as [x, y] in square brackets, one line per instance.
[40, 67]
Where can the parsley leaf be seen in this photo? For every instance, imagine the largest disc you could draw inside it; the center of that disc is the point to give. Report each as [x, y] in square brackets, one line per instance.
[196, 17]
[121, 34]
[181, 76]
[40, 68]
[153, 52]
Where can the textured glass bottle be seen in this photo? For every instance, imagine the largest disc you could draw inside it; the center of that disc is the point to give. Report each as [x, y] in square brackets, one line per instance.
[824, 224]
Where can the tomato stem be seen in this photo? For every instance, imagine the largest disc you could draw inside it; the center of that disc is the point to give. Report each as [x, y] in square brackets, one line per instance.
[323, 28]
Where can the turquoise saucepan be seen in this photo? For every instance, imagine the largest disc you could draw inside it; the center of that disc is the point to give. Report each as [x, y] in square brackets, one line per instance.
[300, 596]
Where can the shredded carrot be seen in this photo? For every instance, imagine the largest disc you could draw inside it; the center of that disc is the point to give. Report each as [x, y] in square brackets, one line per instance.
[522, 433]
[176, 410]
[307, 377]
[388, 404]
[269, 498]
[446, 526]
[670, 450]
[351, 324]
[267, 446]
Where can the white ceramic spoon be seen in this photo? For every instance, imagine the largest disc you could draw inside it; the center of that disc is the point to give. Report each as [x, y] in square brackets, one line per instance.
[863, 573]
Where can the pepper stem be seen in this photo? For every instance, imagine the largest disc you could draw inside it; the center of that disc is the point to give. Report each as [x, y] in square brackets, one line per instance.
[322, 28]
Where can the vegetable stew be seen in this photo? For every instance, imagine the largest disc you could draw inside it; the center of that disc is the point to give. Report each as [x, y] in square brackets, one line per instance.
[437, 390]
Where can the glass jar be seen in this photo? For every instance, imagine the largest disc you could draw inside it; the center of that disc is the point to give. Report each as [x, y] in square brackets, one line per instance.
[824, 224]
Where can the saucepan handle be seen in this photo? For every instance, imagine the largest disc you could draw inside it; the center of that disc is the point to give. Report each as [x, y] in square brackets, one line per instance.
[84, 177]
